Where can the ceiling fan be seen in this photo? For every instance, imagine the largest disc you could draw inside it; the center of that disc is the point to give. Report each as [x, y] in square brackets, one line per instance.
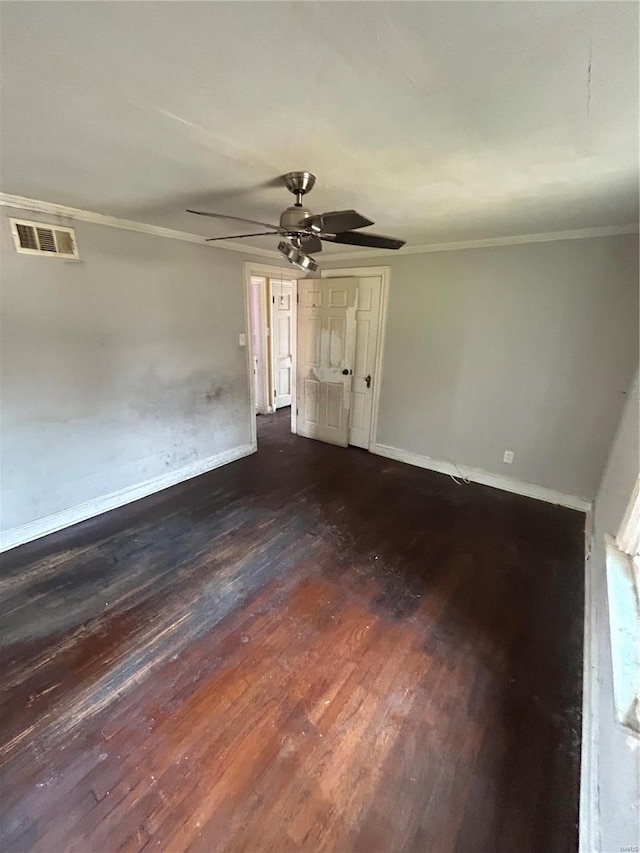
[305, 231]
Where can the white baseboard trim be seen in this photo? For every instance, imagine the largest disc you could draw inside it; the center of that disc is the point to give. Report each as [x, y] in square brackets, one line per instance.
[477, 475]
[59, 520]
[588, 826]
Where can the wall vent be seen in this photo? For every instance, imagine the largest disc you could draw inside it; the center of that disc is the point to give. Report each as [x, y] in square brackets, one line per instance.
[37, 238]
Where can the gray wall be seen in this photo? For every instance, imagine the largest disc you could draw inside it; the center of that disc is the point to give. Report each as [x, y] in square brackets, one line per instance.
[527, 347]
[617, 759]
[126, 365]
[117, 368]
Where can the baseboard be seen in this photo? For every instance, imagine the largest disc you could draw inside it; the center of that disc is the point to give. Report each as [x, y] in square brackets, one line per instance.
[477, 475]
[589, 836]
[59, 520]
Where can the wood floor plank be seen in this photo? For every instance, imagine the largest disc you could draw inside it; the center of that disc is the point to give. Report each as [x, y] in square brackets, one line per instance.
[312, 649]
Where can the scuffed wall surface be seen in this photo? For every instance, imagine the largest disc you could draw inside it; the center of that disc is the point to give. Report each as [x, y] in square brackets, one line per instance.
[527, 347]
[117, 368]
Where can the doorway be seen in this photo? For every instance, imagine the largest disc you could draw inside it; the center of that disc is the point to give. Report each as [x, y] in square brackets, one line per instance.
[274, 306]
[271, 294]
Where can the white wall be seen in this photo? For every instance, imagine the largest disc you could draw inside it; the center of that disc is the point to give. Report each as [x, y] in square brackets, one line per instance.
[116, 369]
[526, 347]
[617, 758]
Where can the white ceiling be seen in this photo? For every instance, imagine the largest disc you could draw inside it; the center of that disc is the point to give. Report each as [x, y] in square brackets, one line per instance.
[442, 121]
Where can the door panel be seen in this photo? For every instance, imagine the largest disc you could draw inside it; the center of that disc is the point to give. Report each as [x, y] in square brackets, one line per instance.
[367, 322]
[337, 332]
[313, 342]
[284, 380]
[334, 405]
[358, 411]
[362, 347]
[281, 341]
[311, 400]
[326, 344]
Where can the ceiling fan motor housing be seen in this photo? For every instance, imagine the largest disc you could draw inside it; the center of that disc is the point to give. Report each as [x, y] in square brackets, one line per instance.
[290, 218]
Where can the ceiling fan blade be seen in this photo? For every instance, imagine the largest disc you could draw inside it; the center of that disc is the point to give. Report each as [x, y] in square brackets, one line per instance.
[235, 219]
[335, 221]
[358, 238]
[236, 236]
[311, 244]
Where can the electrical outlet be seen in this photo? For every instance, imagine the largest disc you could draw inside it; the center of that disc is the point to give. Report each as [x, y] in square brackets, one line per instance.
[242, 339]
[508, 456]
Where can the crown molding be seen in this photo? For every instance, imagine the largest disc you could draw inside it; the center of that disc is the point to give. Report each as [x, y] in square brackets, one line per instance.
[548, 237]
[50, 209]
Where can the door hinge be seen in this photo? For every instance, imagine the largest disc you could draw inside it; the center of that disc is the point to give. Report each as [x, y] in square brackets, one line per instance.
[296, 411]
[297, 297]
[273, 299]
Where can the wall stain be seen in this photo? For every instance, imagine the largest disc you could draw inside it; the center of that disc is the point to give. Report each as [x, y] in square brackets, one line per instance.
[180, 398]
[215, 393]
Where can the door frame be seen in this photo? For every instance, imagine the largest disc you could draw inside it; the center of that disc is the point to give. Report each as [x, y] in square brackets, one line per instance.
[293, 340]
[264, 354]
[267, 271]
[385, 274]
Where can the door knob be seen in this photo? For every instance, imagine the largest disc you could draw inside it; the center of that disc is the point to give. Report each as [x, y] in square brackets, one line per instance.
[367, 379]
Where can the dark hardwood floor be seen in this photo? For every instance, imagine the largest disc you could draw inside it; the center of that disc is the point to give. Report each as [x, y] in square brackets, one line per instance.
[310, 649]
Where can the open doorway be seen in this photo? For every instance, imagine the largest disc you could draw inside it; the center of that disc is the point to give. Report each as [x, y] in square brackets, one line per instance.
[271, 295]
[277, 300]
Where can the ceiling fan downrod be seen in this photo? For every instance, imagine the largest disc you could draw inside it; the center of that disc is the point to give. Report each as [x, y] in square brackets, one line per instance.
[299, 183]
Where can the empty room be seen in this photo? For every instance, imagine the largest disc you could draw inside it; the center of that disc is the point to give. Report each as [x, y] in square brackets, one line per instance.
[319, 443]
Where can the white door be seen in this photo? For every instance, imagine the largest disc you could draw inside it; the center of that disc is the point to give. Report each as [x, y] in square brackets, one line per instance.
[364, 378]
[326, 344]
[281, 341]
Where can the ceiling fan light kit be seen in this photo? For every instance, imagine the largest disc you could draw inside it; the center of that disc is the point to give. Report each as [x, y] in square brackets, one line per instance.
[306, 231]
[296, 257]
